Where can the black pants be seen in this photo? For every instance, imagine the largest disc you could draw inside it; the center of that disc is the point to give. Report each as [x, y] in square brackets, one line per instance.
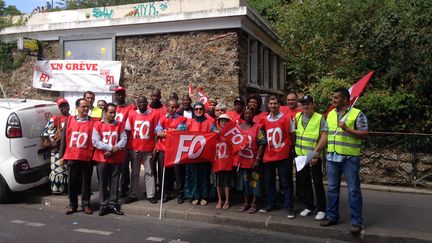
[172, 174]
[80, 174]
[125, 175]
[305, 185]
[284, 168]
[109, 177]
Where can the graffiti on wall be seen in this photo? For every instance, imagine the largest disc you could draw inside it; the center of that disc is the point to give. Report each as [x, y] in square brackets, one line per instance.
[148, 9]
[102, 13]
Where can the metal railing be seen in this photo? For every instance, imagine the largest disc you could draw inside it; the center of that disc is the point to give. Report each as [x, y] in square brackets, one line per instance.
[403, 159]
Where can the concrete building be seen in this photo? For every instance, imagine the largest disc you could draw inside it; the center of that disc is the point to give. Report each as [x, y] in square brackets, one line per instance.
[224, 46]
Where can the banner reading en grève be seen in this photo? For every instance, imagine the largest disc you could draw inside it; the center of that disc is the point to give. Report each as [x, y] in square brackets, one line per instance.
[77, 75]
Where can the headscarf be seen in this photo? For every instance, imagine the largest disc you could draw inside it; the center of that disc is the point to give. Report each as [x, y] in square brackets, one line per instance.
[200, 118]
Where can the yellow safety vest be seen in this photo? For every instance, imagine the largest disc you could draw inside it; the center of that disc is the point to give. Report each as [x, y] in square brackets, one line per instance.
[307, 137]
[343, 142]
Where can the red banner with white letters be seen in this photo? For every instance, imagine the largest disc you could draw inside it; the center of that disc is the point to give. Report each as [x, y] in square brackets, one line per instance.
[233, 133]
[184, 147]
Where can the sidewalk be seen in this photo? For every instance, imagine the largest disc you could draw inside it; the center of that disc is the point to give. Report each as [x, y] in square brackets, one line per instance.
[388, 216]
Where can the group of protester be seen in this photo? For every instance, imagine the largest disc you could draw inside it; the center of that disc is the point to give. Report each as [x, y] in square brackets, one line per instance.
[119, 137]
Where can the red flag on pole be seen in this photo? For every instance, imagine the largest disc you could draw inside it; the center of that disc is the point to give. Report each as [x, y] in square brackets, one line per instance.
[224, 156]
[191, 92]
[356, 89]
[233, 134]
[203, 98]
[183, 147]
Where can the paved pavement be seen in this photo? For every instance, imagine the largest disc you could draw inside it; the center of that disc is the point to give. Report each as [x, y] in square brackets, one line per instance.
[388, 216]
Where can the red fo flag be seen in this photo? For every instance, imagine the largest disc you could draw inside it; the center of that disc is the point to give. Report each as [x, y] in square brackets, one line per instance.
[191, 91]
[184, 147]
[233, 134]
[356, 89]
[203, 98]
[224, 156]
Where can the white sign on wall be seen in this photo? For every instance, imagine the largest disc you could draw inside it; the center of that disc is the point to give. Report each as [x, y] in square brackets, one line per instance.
[77, 75]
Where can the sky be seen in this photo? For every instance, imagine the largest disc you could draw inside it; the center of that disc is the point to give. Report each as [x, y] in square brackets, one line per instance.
[27, 6]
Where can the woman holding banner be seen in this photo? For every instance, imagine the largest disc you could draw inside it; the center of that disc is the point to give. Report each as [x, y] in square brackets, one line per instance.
[249, 159]
[197, 175]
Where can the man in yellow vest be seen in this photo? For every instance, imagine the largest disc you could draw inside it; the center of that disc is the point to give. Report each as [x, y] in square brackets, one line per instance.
[311, 135]
[347, 127]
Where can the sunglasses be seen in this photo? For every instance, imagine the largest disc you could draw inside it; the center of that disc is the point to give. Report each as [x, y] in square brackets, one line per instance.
[199, 109]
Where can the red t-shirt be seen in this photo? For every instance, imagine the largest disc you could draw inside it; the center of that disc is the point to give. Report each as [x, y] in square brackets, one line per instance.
[246, 156]
[109, 134]
[278, 138]
[235, 117]
[142, 126]
[122, 112]
[79, 144]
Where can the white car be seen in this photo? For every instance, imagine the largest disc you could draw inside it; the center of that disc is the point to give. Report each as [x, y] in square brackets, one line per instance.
[24, 162]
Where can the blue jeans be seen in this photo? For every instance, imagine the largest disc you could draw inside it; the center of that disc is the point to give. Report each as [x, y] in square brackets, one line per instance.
[350, 167]
[285, 168]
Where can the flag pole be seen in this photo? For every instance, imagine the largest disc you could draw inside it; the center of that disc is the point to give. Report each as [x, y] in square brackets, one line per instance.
[162, 193]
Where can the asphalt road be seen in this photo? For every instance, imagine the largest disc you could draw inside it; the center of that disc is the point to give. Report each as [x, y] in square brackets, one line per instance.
[24, 222]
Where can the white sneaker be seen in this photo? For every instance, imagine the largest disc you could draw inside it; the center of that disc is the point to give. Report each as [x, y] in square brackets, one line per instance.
[305, 212]
[320, 216]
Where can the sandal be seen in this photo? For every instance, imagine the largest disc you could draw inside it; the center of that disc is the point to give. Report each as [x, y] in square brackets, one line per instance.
[195, 202]
[219, 205]
[226, 206]
[243, 208]
[253, 208]
[203, 202]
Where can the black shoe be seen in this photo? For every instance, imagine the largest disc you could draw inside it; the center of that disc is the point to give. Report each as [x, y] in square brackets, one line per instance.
[267, 209]
[166, 198]
[180, 200]
[355, 229]
[131, 200]
[152, 200]
[104, 211]
[327, 222]
[124, 194]
[117, 211]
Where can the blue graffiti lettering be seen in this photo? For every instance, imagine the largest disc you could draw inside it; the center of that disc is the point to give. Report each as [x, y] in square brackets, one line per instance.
[102, 13]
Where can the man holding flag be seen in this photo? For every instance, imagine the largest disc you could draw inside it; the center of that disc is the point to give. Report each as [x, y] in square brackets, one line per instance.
[347, 127]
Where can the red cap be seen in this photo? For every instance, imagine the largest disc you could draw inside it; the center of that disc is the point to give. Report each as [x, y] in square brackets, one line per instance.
[119, 88]
[61, 101]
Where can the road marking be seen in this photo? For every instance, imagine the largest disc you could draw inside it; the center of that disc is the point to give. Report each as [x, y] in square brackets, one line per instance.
[35, 224]
[178, 241]
[157, 239]
[17, 221]
[97, 232]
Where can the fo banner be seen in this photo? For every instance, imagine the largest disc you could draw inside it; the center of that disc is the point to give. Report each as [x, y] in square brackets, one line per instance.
[233, 133]
[183, 147]
[77, 75]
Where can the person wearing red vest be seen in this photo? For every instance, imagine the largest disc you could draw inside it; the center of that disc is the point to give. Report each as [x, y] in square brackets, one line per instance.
[170, 121]
[223, 165]
[255, 102]
[197, 175]
[140, 126]
[51, 136]
[236, 114]
[122, 113]
[109, 139]
[249, 161]
[292, 106]
[76, 150]
[280, 133]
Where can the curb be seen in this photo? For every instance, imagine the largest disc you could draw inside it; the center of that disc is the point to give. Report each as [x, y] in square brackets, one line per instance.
[305, 226]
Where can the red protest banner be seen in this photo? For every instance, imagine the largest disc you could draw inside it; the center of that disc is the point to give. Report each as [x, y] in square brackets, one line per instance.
[183, 147]
[224, 156]
[232, 133]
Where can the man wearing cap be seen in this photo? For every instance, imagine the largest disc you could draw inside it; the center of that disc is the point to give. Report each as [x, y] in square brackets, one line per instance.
[51, 136]
[235, 115]
[122, 112]
[347, 128]
[311, 135]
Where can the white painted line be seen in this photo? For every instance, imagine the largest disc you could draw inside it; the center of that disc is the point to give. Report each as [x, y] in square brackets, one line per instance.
[97, 232]
[35, 224]
[157, 239]
[17, 221]
[178, 241]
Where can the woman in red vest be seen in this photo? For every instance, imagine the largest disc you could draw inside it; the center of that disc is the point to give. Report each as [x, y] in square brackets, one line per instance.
[249, 160]
[197, 175]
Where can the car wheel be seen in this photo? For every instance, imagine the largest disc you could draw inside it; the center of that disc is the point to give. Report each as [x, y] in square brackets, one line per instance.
[4, 190]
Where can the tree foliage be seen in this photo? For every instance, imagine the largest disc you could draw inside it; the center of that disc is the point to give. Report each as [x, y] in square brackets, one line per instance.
[329, 40]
